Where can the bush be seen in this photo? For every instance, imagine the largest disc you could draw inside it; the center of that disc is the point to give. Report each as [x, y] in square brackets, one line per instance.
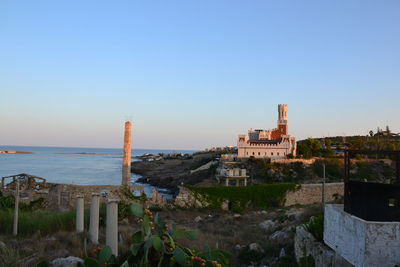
[240, 198]
[316, 227]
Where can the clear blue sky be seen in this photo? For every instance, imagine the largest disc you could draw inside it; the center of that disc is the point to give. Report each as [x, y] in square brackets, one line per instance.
[194, 74]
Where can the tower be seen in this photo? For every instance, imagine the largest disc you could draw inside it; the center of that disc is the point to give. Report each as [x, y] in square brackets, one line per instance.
[283, 119]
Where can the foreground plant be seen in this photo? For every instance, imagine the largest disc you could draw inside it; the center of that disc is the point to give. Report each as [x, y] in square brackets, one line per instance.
[156, 244]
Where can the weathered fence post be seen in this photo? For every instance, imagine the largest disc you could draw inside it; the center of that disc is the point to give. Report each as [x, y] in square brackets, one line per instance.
[112, 225]
[79, 214]
[15, 226]
[94, 218]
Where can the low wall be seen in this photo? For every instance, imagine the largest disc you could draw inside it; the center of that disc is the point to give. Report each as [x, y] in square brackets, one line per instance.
[287, 161]
[305, 244]
[312, 193]
[306, 194]
[63, 196]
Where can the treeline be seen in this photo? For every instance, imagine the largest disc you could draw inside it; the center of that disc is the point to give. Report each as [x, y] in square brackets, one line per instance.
[331, 146]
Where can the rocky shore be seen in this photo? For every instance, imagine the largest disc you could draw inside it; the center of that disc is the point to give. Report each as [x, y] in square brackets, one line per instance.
[169, 172]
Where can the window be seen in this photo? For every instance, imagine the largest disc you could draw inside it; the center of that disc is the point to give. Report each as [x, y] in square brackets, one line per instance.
[259, 153]
[247, 153]
[277, 153]
[272, 153]
[253, 153]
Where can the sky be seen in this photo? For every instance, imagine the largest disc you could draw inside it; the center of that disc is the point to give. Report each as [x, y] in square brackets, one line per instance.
[195, 74]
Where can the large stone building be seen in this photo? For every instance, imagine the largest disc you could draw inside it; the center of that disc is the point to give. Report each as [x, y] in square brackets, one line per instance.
[275, 143]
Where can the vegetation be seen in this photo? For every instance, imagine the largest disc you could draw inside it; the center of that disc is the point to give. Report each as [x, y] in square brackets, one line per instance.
[263, 171]
[157, 244]
[324, 147]
[239, 198]
[44, 221]
[316, 227]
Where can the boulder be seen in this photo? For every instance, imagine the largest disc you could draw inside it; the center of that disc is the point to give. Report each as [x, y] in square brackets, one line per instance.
[280, 236]
[267, 225]
[66, 262]
[198, 219]
[2, 245]
[237, 215]
[295, 214]
[256, 247]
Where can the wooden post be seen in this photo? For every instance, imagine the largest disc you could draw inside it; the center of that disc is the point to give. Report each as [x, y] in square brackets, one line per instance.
[15, 226]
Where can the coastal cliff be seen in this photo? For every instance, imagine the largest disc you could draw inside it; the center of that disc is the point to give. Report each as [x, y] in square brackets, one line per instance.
[170, 172]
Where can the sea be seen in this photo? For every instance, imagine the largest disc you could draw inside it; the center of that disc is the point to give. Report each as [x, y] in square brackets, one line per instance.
[91, 166]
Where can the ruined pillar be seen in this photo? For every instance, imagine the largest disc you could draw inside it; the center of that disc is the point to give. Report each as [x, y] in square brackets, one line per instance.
[112, 225]
[226, 182]
[79, 214]
[94, 218]
[245, 181]
[126, 162]
[16, 208]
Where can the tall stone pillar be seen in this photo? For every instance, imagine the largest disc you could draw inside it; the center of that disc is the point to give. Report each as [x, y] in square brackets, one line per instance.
[112, 225]
[79, 214]
[126, 162]
[94, 218]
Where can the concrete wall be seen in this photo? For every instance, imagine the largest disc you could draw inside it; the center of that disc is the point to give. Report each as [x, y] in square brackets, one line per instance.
[312, 193]
[362, 243]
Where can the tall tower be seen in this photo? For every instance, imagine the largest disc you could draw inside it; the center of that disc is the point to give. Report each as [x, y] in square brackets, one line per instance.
[283, 119]
[126, 162]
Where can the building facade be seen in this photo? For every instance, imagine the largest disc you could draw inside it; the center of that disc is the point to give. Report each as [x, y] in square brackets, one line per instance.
[275, 143]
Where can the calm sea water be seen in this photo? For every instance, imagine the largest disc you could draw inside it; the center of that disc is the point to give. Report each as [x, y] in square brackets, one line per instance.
[73, 168]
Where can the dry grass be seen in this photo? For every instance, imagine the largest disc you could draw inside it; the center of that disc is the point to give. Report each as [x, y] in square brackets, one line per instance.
[220, 229]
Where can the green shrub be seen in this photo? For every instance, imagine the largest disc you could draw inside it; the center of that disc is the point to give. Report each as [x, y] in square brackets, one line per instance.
[316, 227]
[257, 196]
[30, 222]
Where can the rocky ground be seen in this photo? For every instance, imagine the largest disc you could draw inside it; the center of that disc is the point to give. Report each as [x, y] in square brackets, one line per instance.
[169, 173]
[254, 238]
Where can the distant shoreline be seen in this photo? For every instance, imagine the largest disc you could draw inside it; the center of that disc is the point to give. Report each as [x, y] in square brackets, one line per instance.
[74, 153]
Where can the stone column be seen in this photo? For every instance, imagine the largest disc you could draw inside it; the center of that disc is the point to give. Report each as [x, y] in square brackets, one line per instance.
[112, 225]
[79, 214]
[16, 207]
[127, 158]
[245, 181]
[226, 182]
[94, 218]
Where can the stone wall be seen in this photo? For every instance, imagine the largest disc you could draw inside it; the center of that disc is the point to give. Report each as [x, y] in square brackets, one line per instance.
[306, 194]
[312, 193]
[287, 161]
[63, 196]
[305, 244]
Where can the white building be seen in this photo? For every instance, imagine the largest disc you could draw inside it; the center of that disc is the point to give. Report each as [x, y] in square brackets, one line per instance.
[275, 143]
